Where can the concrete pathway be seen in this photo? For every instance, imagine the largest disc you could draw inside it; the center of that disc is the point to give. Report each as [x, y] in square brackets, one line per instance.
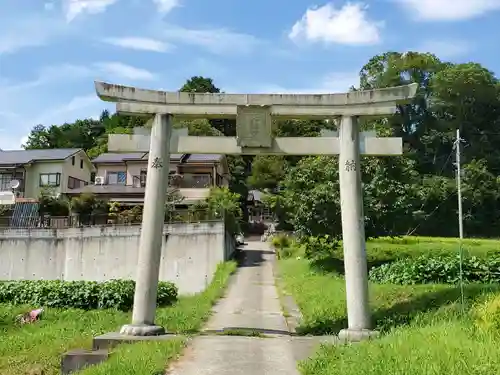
[251, 303]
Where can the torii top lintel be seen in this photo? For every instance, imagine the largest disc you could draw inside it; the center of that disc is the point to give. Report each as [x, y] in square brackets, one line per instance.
[220, 105]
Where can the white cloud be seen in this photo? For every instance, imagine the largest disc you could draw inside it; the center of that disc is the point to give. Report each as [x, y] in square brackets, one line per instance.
[17, 33]
[217, 41]
[347, 25]
[444, 49]
[78, 106]
[165, 6]
[119, 70]
[8, 142]
[49, 6]
[85, 106]
[42, 91]
[144, 44]
[46, 75]
[64, 73]
[73, 8]
[448, 10]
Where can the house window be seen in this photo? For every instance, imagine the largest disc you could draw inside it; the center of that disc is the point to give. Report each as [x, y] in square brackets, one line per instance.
[81, 164]
[117, 178]
[92, 177]
[50, 179]
[142, 177]
[72, 160]
[5, 179]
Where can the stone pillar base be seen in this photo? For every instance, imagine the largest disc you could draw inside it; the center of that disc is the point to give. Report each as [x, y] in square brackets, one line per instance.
[357, 335]
[142, 330]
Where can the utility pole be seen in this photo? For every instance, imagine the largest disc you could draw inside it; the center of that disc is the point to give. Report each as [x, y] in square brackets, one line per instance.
[459, 187]
[460, 215]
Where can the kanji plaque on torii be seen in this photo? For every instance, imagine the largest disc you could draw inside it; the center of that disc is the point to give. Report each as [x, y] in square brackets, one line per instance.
[254, 114]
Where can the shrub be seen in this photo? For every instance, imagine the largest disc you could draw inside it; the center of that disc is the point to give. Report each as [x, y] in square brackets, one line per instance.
[321, 248]
[87, 295]
[282, 244]
[487, 314]
[281, 241]
[444, 269]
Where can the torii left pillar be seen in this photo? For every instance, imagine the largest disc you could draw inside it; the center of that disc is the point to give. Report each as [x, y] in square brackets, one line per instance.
[153, 219]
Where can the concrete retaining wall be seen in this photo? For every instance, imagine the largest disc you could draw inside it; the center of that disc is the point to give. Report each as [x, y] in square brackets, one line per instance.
[189, 257]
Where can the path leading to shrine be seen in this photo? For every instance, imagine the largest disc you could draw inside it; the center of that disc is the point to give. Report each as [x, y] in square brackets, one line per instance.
[251, 305]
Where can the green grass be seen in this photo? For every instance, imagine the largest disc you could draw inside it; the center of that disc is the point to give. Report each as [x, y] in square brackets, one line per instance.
[386, 248]
[40, 345]
[424, 332]
[443, 347]
[145, 358]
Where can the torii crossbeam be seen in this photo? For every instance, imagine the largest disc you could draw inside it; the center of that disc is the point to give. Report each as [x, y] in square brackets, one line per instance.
[254, 127]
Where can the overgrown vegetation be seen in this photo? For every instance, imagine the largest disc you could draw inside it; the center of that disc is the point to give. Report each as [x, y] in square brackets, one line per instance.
[445, 346]
[86, 295]
[420, 322]
[40, 345]
[440, 269]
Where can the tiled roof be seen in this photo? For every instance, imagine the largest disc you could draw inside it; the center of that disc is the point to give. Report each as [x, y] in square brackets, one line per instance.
[26, 156]
[118, 158]
[204, 157]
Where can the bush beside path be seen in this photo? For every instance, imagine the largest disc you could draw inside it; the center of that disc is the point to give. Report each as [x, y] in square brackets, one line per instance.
[38, 346]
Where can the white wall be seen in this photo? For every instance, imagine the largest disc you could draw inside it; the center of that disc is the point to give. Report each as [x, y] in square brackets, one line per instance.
[75, 171]
[189, 258]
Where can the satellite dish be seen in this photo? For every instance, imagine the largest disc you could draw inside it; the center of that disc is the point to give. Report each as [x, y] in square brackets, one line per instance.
[14, 184]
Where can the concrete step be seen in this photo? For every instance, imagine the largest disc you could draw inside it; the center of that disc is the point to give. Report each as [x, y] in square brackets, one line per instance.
[78, 359]
[112, 339]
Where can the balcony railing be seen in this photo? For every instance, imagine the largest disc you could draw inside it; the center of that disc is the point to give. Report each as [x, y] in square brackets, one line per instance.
[182, 181]
[75, 183]
[200, 181]
[139, 181]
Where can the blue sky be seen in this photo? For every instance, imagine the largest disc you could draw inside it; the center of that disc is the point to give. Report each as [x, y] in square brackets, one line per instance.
[50, 52]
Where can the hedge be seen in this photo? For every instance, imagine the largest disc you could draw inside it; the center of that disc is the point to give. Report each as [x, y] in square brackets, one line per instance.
[87, 295]
[441, 269]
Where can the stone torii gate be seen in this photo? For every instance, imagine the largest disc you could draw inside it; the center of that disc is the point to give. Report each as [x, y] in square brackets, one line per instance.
[254, 114]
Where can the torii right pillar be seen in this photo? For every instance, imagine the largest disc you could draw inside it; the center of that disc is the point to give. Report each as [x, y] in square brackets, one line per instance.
[353, 234]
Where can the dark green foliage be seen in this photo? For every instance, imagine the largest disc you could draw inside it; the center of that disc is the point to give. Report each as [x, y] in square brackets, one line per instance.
[321, 248]
[440, 269]
[52, 204]
[86, 295]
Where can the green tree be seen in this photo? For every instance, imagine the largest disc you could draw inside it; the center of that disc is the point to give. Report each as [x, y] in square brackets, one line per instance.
[267, 172]
[200, 84]
[90, 135]
[465, 96]
[311, 196]
[223, 203]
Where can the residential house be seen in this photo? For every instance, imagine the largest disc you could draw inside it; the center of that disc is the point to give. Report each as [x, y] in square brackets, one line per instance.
[122, 177]
[33, 170]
